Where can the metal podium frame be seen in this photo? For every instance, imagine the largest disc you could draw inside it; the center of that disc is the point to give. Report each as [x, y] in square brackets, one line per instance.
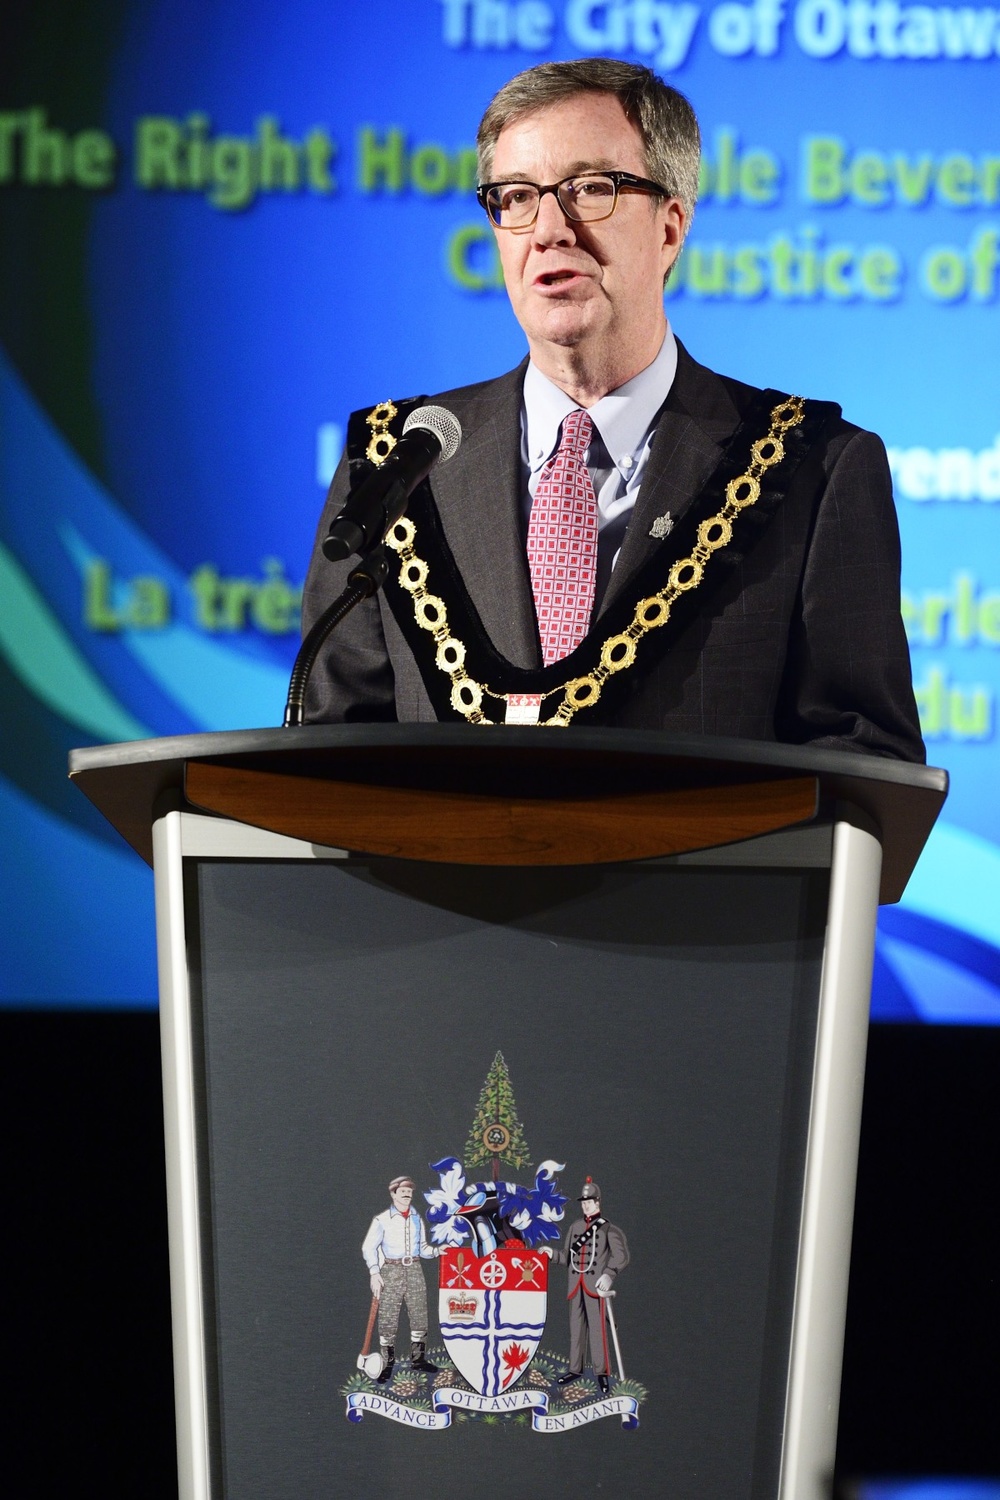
[864, 808]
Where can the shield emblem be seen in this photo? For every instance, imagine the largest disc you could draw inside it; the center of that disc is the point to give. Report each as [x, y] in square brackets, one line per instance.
[492, 1313]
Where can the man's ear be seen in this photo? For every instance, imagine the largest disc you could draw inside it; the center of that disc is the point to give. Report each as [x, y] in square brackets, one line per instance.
[674, 223]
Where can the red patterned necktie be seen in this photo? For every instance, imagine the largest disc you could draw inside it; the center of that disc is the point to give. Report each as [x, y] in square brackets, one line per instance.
[562, 542]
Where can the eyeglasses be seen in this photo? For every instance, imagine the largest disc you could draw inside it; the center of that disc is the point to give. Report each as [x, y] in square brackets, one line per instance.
[585, 198]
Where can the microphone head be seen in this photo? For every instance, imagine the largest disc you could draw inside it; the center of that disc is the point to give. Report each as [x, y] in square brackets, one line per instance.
[444, 425]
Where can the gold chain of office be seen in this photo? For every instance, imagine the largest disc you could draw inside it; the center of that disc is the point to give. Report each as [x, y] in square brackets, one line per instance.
[618, 652]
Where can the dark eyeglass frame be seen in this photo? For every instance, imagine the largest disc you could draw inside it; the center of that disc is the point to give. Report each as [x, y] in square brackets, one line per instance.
[621, 181]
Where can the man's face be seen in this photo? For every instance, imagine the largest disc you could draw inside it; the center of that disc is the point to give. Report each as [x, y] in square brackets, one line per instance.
[402, 1196]
[591, 1208]
[574, 285]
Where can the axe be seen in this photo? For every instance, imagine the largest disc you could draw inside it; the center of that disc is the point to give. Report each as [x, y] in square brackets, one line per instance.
[371, 1364]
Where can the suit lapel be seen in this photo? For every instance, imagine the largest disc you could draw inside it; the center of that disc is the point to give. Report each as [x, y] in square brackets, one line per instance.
[478, 496]
[696, 422]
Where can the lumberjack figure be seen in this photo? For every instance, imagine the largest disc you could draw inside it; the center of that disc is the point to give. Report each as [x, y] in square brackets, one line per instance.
[594, 1251]
[393, 1249]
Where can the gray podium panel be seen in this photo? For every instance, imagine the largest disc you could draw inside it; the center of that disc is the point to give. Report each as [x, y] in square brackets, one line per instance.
[659, 1023]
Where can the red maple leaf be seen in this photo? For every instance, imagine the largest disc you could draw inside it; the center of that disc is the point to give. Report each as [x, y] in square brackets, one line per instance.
[515, 1358]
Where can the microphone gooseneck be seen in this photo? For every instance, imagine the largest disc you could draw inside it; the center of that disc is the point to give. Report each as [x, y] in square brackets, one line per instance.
[431, 435]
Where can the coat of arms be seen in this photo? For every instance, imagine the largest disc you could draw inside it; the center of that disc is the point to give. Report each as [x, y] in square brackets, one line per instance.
[496, 1242]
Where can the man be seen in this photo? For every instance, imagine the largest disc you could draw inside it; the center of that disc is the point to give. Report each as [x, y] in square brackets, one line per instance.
[595, 1251]
[548, 544]
[393, 1249]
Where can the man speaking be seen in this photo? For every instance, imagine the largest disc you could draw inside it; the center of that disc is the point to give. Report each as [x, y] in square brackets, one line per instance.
[623, 537]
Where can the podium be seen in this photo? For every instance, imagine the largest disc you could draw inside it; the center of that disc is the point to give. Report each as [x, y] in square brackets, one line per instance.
[668, 940]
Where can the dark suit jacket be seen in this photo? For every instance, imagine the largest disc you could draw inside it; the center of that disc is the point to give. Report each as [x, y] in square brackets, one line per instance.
[803, 643]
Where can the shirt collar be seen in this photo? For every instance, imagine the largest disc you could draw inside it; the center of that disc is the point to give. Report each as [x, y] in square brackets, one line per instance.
[622, 417]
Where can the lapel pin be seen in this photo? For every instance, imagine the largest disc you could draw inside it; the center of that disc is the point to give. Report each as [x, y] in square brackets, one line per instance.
[662, 526]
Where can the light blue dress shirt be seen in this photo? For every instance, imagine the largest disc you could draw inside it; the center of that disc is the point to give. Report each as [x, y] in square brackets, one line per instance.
[624, 425]
[395, 1236]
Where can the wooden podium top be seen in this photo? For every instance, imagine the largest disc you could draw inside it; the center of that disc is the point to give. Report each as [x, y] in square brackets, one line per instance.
[502, 795]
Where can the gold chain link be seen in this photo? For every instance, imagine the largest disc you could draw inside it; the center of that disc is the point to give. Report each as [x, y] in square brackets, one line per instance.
[382, 441]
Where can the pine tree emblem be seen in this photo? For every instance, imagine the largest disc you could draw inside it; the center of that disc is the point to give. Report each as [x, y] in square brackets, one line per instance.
[496, 1138]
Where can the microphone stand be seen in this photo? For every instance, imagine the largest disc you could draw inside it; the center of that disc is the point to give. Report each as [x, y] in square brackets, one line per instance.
[362, 582]
[364, 519]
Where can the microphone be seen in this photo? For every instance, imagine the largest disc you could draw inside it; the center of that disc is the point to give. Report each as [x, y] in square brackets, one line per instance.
[431, 435]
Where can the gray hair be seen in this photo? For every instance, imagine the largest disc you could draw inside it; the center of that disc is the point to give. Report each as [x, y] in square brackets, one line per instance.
[662, 115]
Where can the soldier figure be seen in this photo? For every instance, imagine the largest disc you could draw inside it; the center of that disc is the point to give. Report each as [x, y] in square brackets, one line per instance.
[393, 1249]
[594, 1251]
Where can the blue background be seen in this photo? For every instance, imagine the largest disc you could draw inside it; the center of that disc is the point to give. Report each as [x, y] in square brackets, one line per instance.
[213, 356]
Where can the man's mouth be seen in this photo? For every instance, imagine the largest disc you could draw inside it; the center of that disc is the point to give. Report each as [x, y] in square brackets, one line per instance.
[555, 279]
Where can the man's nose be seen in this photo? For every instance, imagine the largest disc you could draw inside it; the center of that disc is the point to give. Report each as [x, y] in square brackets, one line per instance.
[552, 227]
